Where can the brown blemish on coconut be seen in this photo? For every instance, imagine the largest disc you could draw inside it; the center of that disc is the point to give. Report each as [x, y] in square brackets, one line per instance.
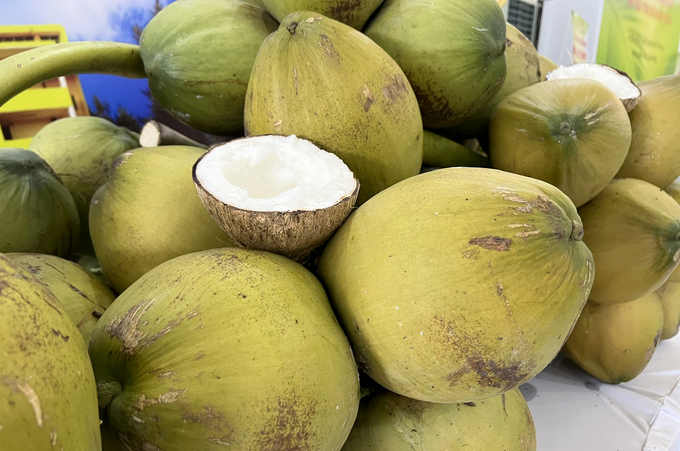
[492, 243]
[209, 417]
[369, 98]
[170, 397]
[290, 426]
[395, 89]
[121, 160]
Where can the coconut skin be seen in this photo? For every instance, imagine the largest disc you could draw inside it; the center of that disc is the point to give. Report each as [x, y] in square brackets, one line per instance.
[669, 295]
[40, 213]
[442, 152]
[545, 66]
[148, 212]
[293, 234]
[83, 297]
[48, 399]
[615, 342]
[354, 13]
[654, 154]
[674, 190]
[346, 95]
[458, 284]
[633, 231]
[81, 150]
[391, 422]
[573, 134]
[226, 347]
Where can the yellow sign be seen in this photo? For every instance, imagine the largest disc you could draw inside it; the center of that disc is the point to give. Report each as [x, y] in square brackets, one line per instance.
[640, 37]
[580, 47]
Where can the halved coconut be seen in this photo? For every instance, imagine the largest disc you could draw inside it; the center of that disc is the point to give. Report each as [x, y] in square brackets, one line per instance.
[276, 193]
[614, 79]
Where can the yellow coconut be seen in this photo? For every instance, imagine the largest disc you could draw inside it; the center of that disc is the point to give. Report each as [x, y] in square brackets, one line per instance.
[615, 342]
[669, 295]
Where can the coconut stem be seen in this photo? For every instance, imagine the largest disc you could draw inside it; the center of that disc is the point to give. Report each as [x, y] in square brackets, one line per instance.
[576, 230]
[25, 69]
[106, 391]
[292, 27]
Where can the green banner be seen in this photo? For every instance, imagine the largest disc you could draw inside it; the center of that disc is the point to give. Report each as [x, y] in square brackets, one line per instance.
[640, 37]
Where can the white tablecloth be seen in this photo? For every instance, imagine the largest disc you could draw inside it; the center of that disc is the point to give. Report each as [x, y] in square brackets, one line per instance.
[575, 412]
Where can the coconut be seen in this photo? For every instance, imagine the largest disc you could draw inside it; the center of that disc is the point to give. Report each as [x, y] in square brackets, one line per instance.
[148, 212]
[452, 52]
[275, 193]
[83, 297]
[633, 230]
[47, 388]
[226, 348]
[546, 65]
[523, 70]
[615, 342]
[442, 152]
[224, 36]
[669, 295]
[391, 422]
[654, 154]
[674, 190]
[326, 82]
[39, 214]
[614, 79]
[354, 13]
[81, 151]
[458, 284]
[571, 133]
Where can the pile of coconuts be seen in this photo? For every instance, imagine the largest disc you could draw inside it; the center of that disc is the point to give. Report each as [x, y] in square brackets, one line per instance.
[411, 214]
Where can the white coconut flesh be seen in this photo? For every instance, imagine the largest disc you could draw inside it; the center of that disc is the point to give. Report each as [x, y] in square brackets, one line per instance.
[621, 84]
[275, 173]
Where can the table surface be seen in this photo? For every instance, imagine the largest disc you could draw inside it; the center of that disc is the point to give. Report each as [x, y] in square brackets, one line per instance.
[576, 412]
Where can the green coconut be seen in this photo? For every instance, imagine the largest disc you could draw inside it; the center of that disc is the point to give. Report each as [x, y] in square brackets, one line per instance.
[523, 70]
[442, 152]
[391, 422]
[226, 348]
[39, 214]
[458, 284]
[546, 65]
[81, 150]
[83, 297]
[615, 342]
[573, 134]
[674, 190]
[669, 295]
[326, 82]
[148, 212]
[198, 55]
[654, 154]
[452, 52]
[633, 231]
[48, 399]
[354, 13]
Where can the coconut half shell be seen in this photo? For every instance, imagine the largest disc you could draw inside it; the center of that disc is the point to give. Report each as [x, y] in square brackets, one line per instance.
[616, 80]
[293, 233]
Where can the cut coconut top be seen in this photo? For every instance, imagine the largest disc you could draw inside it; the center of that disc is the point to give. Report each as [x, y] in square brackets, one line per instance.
[615, 80]
[275, 173]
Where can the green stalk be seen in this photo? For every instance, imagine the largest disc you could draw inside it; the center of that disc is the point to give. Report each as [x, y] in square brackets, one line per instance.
[25, 69]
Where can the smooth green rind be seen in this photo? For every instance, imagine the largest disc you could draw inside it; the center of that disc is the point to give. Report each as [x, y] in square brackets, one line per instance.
[39, 214]
[81, 151]
[391, 422]
[148, 212]
[441, 152]
[28, 68]
[323, 81]
[82, 296]
[654, 154]
[669, 295]
[48, 399]
[569, 133]
[458, 284]
[226, 348]
[452, 52]
[633, 231]
[615, 342]
[354, 13]
[523, 70]
[198, 55]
